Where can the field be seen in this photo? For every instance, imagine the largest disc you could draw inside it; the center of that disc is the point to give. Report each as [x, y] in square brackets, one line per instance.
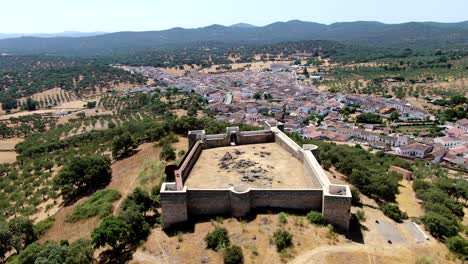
[256, 66]
[7, 149]
[407, 200]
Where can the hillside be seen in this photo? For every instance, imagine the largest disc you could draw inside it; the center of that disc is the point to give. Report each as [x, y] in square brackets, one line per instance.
[413, 34]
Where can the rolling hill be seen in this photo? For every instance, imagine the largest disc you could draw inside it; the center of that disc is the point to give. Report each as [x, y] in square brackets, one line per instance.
[413, 34]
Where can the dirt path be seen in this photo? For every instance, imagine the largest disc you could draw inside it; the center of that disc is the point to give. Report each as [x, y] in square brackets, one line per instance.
[125, 172]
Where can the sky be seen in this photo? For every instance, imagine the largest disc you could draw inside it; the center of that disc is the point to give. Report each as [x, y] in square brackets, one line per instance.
[52, 16]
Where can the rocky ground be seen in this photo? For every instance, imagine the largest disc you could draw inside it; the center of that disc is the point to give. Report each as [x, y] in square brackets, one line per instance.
[249, 170]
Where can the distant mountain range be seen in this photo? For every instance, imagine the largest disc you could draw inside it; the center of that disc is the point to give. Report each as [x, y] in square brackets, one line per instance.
[412, 34]
[71, 34]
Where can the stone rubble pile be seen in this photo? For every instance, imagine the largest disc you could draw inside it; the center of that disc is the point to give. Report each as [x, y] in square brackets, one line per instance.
[249, 170]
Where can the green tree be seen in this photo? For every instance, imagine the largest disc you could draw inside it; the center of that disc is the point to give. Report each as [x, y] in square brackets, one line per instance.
[122, 145]
[136, 222]
[5, 237]
[459, 246]
[393, 211]
[257, 96]
[394, 116]
[283, 239]
[138, 198]
[114, 232]
[369, 118]
[80, 252]
[217, 239]
[167, 153]
[52, 252]
[81, 174]
[233, 255]
[22, 233]
[440, 226]
[31, 105]
[91, 104]
[8, 102]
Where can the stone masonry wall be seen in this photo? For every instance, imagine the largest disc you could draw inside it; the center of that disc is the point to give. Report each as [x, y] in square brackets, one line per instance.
[290, 147]
[191, 160]
[174, 206]
[178, 206]
[287, 199]
[337, 210]
[256, 138]
[208, 202]
[217, 142]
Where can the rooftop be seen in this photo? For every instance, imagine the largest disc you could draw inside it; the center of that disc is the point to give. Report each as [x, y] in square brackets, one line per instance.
[266, 166]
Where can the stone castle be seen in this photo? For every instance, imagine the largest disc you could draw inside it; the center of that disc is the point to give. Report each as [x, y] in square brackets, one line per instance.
[240, 171]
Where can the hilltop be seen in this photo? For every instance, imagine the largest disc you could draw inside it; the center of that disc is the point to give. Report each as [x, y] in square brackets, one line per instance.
[412, 34]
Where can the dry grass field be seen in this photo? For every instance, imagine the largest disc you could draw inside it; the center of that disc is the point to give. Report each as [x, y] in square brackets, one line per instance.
[7, 149]
[407, 200]
[253, 235]
[256, 66]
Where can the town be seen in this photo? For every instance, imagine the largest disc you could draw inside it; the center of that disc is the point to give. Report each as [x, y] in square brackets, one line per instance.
[282, 94]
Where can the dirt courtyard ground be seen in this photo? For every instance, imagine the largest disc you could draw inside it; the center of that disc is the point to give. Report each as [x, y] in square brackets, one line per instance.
[260, 166]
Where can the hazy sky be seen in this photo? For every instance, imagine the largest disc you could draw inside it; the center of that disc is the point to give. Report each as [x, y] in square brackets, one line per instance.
[48, 16]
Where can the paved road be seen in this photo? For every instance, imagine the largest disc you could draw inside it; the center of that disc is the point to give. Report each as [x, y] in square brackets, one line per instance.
[416, 233]
[390, 232]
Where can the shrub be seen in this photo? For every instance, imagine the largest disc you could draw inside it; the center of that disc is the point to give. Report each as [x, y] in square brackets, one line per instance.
[217, 239]
[233, 255]
[393, 212]
[424, 260]
[440, 226]
[283, 239]
[42, 226]
[316, 218]
[282, 218]
[181, 153]
[361, 215]
[459, 246]
[99, 204]
[326, 164]
[355, 196]
[331, 232]
[167, 153]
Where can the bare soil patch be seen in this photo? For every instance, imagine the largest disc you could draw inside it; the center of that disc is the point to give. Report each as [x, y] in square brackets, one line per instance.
[9, 143]
[259, 165]
[7, 156]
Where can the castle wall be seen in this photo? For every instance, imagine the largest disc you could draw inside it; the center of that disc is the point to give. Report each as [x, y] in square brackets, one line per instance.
[174, 206]
[255, 137]
[208, 202]
[178, 206]
[216, 141]
[287, 199]
[187, 164]
[178, 202]
[240, 202]
[288, 144]
[337, 210]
